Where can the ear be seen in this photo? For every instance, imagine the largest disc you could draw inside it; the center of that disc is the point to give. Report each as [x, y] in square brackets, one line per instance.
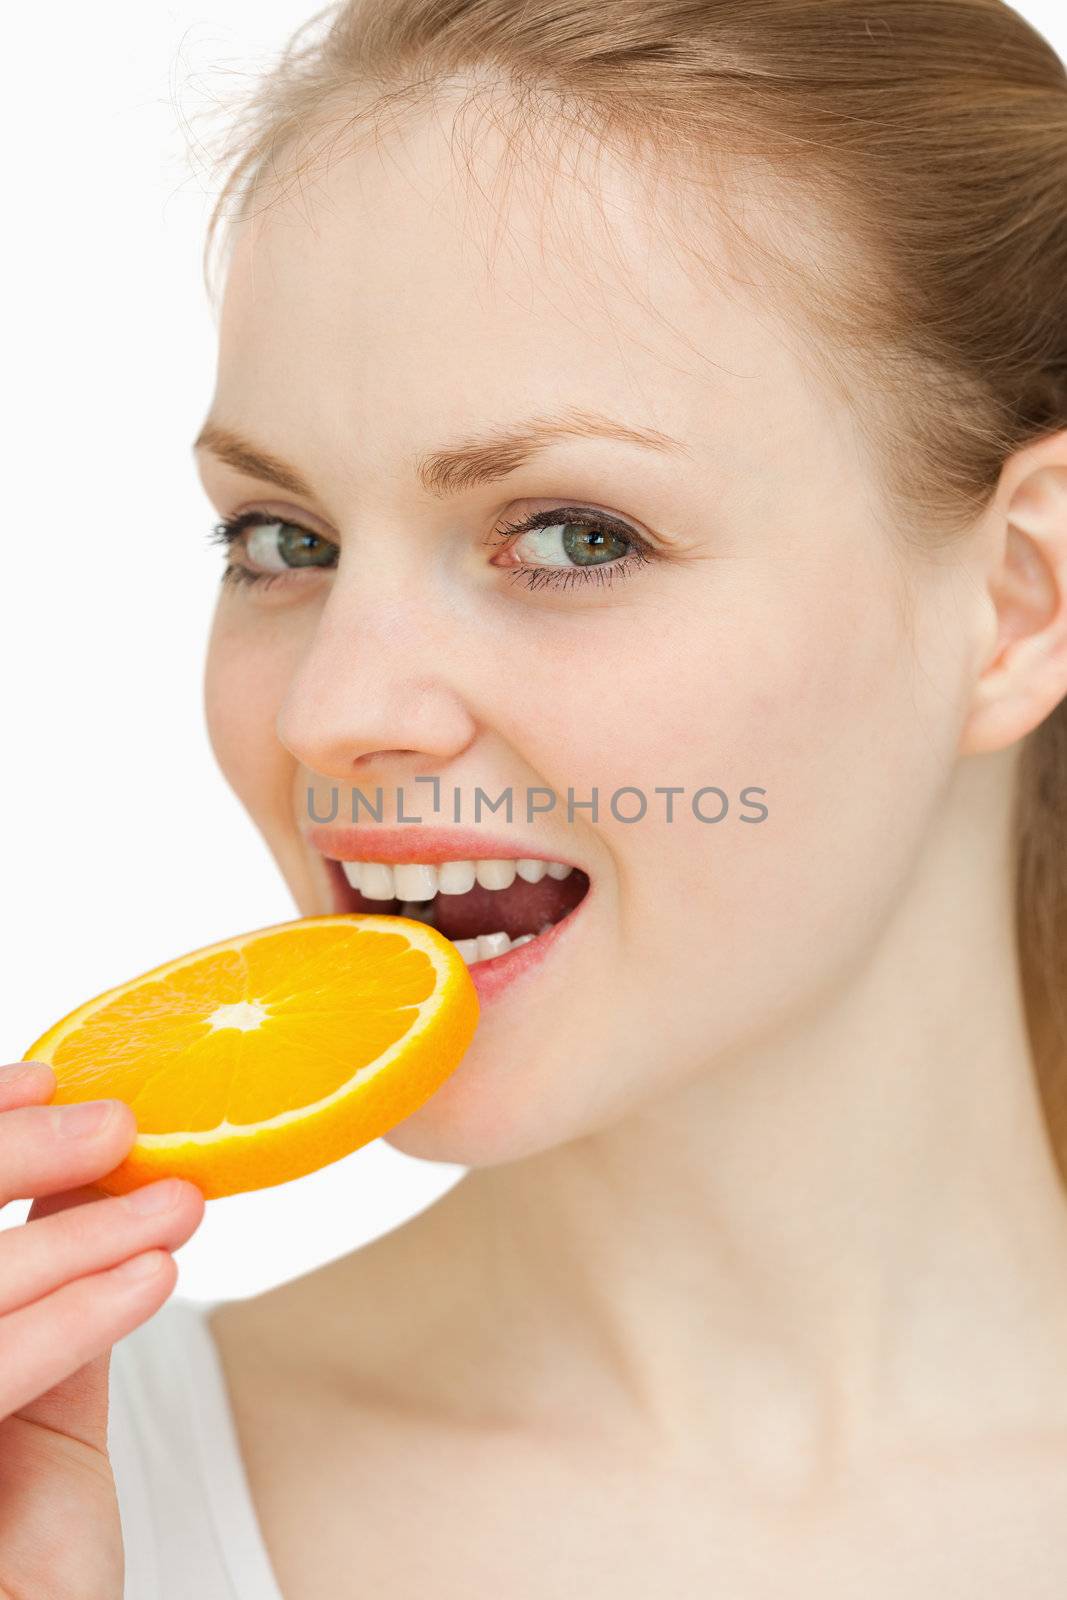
[1025, 677]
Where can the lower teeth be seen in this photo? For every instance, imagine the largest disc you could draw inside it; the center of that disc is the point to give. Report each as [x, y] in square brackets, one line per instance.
[488, 945]
[482, 948]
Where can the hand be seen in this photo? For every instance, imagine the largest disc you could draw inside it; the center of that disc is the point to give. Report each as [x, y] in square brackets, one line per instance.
[84, 1271]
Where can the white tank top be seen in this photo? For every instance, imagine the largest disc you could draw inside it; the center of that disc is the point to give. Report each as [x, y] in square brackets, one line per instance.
[188, 1523]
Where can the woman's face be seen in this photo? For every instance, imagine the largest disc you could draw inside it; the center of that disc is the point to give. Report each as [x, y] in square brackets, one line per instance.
[395, 309]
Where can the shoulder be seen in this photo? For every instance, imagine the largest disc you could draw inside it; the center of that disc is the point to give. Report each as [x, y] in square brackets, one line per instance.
[295, 1333]
[299, 1355]
[273, 1353]
[366, 1329]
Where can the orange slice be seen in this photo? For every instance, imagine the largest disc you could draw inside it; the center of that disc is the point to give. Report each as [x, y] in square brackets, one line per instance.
[266, 1056]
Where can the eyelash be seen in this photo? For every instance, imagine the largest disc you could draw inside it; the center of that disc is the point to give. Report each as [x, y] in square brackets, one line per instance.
[229, 531]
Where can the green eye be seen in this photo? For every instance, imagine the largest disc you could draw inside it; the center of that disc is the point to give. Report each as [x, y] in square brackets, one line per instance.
[551, 539]
[562, 546]
[275, 546]
[587, 544]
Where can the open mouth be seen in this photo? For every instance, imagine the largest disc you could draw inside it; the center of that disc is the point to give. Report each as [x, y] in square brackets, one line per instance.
[486, 907]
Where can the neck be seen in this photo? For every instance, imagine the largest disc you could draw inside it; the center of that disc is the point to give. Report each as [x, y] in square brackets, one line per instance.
[832, 1243]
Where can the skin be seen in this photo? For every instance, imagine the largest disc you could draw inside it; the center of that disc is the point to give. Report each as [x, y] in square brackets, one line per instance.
[760, 1271]
[84, 1271]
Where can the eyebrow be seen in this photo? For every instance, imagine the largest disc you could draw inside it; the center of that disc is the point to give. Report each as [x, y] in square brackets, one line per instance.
[457, 468]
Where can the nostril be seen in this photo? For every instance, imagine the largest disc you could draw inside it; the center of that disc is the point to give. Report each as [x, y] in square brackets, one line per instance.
[369, 757]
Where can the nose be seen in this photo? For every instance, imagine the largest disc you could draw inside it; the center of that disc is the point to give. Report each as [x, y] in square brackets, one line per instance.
[378, 690]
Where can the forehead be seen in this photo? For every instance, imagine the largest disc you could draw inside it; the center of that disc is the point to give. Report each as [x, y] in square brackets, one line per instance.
[451, 269]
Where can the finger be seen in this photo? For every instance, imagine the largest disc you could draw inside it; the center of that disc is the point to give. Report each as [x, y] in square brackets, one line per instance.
[43, 1343]
[44, 1149]
[41, 1256]
[48, 1205]
[26, 1083]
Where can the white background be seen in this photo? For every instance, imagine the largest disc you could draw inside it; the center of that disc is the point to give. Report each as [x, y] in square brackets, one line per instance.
[121, 844]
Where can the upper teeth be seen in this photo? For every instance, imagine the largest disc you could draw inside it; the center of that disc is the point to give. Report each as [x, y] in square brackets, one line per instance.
[379, 880]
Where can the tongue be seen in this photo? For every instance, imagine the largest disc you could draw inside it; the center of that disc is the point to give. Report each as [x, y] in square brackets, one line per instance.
[521, 908]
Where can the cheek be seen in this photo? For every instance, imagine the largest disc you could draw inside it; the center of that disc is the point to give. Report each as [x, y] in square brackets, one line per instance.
[800, 682]
[767, 674]
[743, 673]
[245, 679]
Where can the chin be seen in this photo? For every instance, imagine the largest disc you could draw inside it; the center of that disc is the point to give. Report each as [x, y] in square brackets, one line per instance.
[474, 1122]
[497, 1107]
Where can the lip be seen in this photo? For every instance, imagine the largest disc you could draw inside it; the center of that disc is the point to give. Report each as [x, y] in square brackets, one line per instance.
[432, 846]
[429, 846]
[492, 976]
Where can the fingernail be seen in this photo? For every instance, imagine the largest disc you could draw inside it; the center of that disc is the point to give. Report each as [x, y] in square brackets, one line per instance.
[88, 1116]
[154, 1197]
[137, 1267]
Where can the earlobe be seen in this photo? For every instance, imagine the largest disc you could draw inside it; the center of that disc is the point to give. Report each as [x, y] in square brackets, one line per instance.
[1026, 676]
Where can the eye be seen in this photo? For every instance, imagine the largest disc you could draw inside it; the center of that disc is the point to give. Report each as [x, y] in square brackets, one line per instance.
[271, 548]
[567, 544]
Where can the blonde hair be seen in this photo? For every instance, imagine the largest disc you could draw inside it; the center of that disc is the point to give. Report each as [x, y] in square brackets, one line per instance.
[931, 136]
